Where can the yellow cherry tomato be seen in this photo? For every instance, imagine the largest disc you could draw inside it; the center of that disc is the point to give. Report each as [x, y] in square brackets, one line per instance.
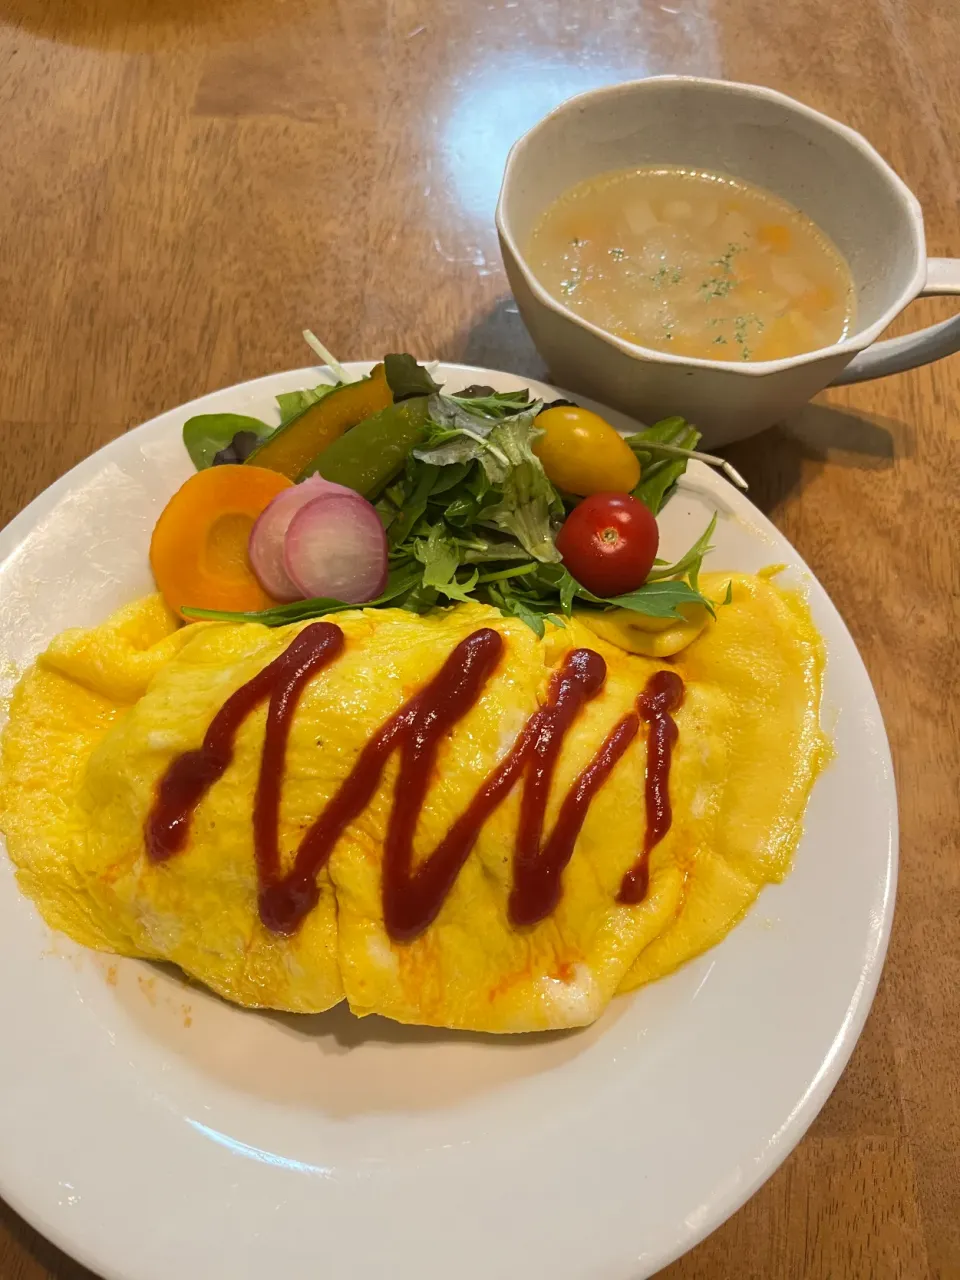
[582, 454]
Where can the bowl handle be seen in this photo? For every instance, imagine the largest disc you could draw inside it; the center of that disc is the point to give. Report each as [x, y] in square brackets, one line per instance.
[933, 343]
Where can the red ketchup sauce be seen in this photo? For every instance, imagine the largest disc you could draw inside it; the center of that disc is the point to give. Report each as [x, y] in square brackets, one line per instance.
[412, 897]
[663, 694]
[190, 776]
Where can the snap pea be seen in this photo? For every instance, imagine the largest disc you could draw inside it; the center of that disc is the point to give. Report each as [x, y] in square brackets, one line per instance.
[370, 455]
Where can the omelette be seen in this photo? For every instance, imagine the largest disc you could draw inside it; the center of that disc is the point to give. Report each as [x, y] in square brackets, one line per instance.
[441, 819]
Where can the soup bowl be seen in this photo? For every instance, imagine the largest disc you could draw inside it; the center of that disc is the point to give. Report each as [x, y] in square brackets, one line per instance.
[825, 169]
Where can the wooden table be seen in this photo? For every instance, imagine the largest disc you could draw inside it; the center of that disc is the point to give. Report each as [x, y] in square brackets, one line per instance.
[184, 186]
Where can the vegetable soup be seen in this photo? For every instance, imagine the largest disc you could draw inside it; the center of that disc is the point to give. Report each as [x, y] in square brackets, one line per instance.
[694, 263]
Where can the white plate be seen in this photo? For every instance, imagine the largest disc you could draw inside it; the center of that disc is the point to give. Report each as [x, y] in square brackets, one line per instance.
[157, 1133]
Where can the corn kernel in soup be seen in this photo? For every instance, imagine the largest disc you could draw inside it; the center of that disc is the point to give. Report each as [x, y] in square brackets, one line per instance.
[694, 263]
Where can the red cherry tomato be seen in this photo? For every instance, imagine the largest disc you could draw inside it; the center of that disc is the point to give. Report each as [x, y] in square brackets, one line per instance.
[609, 543]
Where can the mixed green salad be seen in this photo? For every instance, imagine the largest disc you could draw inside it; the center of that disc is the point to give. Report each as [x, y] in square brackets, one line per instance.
[478, 496]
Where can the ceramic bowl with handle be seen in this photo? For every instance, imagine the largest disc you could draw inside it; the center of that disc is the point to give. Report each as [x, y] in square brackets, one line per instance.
[823, 168]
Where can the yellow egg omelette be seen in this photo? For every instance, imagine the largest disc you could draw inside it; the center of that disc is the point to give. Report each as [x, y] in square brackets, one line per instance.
[97, 723]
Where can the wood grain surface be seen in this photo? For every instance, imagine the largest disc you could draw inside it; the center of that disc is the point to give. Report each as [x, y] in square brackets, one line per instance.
[184, 186]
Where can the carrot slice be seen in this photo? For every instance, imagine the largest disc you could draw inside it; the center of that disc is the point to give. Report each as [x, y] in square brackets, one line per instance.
[775, 236]
[198, 551]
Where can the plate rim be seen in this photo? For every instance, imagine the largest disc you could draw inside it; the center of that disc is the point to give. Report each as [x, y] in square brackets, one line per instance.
[805, 1112]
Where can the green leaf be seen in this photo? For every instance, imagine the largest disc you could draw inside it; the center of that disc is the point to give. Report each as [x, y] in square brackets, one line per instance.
[482, 548]
[503, 575]
[293, 403]
[657, 488]
[478, 483]
[465, 507]
[439, 556]
[447, 413]
[529, 504]
[513, 440]
[455, 435]
[413, 506]
[665, 431]
[406, 378]
[533, 620]
[454, 590]
[660, 599]
[207, 433]
[420, 599]
[659, 474]
[399, 582]
[499, 404]
[452, 448]
[437, 552]
[568, 589]
[386, 510]
[512, 606]
[688, 566]
[448, 478]
[462, 511]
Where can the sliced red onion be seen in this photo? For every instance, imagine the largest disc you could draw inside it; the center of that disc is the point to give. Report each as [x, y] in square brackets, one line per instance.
[336, 547]
[265, 548]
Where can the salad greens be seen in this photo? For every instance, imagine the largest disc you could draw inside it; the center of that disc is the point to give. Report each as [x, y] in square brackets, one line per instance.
[473, 516]
[293, 403]
[406, 378]
[209, 434]
[660, 471]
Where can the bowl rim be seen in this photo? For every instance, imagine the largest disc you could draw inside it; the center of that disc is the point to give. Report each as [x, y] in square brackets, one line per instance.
[848, 347]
